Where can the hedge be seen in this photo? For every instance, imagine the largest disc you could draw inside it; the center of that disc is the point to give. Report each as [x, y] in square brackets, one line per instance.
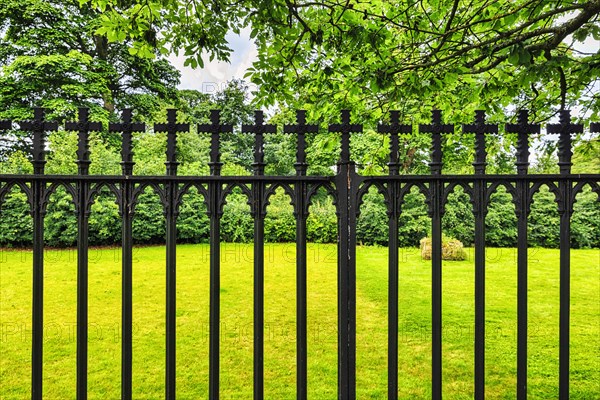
[237, 223]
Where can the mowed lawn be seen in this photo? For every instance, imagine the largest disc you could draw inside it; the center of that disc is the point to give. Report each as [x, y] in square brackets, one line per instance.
[280, 330]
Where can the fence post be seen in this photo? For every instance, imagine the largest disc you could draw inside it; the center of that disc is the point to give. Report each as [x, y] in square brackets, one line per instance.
[436, 212]
[393, 211]
[347, 203]
[480, 200]
[522, 128]
[126, 127]
[301, 215]
[171, 211]
[214, 213]
[83, 126]
[38, 127]
[565, 209]
[258, 214]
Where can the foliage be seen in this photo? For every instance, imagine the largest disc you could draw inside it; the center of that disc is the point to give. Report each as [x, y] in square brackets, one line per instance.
[380, 55]
[452, 249]
[53, 57]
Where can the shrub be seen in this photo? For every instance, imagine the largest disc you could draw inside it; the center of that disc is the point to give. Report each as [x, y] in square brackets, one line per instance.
[452, 249]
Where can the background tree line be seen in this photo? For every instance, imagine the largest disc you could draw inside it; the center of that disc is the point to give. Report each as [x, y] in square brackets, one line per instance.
[237, 223]
[67, 54]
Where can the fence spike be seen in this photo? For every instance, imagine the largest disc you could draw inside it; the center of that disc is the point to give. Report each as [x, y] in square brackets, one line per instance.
[301, 129]
[436, 128]
[127, 127]
[564, 129]
[171, 128]
[394, 129]
[345, 128]
[83, 127]
[480, 128]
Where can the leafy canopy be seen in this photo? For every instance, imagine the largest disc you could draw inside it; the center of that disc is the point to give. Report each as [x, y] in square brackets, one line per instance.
[376, 55]
[51, 55]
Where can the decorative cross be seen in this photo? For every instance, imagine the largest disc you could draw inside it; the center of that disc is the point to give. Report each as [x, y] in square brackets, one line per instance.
[480, 128]
[345, 128]
[564, 128]
[127, 128]
[436, 128]
[394, 129]
[259, 129]
[38, 126]
[215, 128]
[522, 128]
[301, 129]
[83, 126]
[171, 128]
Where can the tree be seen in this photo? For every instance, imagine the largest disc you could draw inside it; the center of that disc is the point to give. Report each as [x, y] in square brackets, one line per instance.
[51, 55]
[377, 55]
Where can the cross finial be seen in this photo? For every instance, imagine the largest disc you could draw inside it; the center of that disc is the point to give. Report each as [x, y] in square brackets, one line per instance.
[301, 129]
[83, 127]
[564, 129]
[394, 129]
[345, 128]
[259, 129]
[215, 129]
[171, 128]
[480, 128]
[126, 127]
[38, 127]
[436, 128]
[522, 128]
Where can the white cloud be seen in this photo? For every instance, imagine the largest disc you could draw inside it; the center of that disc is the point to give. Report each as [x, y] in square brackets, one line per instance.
[215, 74]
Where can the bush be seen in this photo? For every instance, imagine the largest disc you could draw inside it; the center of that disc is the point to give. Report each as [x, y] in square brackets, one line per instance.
[16, 224]
[322, 222]
[237, 224]
[193, 225]
[280, 223]
[372, 225]
[452, 249]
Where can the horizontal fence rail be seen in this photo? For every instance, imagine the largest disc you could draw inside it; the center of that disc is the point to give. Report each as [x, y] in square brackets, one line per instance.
[347, 188]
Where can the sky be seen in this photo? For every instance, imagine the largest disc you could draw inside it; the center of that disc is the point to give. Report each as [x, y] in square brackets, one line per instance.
[215, 74]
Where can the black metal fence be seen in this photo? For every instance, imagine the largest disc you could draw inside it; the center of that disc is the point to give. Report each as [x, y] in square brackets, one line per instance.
[347, 188]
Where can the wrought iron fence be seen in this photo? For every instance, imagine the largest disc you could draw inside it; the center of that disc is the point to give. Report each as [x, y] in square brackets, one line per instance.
[347, 188]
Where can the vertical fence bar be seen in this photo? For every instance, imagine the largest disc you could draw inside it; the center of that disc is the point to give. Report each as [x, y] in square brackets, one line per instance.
[171, 209]
[258, 213]
[480, 128]
[38, 127]
[565, 209]
[215, 285]
[522, 128]
[171, 282]
[83, 127]
[126, 286]
[215, 309]
[436, 195]
[301, 215]
[126, 127]
[82, 290]
[345, 182]
[259, 292]
[393, 215]
[214, 212]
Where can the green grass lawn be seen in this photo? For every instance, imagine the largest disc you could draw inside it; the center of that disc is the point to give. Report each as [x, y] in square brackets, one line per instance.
[236, 340]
